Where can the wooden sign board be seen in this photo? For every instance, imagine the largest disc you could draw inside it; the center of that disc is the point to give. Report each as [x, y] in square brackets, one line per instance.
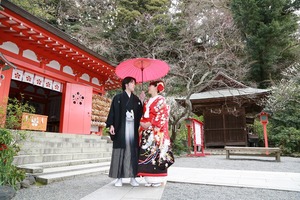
[34, 122]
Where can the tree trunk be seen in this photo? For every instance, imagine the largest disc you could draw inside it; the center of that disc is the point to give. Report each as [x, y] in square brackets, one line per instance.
[173, 130]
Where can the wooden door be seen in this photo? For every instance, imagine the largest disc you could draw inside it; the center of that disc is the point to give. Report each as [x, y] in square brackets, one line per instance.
[77, 109]
[225, 128]
[235, 128]
[213, 129]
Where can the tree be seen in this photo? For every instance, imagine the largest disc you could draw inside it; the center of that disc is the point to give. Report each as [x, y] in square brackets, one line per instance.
[42, 9]
[269, 29]
[79, 18]
[207, 42]
[284, 106]
[137, 29]
[196, 38]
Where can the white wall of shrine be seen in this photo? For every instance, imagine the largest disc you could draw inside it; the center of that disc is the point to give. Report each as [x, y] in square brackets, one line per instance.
[30, 55]
[10, 46]
[54, 64]
[85, 77]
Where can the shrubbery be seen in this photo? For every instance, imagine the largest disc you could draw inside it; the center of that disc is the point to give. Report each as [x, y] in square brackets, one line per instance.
[9, 174]
[9, 138]
[287, 138]
[180, 145]
[284, 108]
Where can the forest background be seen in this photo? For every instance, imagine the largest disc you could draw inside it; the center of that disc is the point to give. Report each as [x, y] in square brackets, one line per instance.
[256, 42]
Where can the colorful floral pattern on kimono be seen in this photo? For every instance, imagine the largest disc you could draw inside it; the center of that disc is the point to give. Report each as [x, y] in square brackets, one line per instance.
[155, 141]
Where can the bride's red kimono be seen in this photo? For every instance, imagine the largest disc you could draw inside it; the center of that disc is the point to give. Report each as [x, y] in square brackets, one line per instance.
[154, 141]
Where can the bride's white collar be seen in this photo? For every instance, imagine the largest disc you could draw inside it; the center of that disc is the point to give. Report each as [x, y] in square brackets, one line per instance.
[151, 100]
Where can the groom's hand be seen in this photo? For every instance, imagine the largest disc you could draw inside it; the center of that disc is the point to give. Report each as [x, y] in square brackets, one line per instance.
[112, 130]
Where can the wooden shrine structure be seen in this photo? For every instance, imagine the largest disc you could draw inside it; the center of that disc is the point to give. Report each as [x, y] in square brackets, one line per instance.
[56, 74]
[228, 107]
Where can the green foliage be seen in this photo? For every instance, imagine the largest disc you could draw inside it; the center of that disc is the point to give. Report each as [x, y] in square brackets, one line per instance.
[129, 12]
[286, 127]
[42, 9]
[258, 130]
[287, 138]
[181, 142]
[105, 131]
[283, 133]
[180, 145]
[15, 108]
[284, 106]
[9, 174]
[268, 27]
[199, 118]
[136, 28]
[9, 139]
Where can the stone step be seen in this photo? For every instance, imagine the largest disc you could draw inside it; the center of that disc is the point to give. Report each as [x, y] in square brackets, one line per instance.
[35, 150]
[63, 139]
[39, 158]
[33, 134]
[59, 176]
[39, 167]
[50, 144]
[73, 168]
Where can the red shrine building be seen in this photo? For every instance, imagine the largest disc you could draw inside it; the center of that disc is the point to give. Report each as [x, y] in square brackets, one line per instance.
[46, 67]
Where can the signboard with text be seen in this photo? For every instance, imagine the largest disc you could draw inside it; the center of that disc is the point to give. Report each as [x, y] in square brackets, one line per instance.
[197, 128]
[198, 133]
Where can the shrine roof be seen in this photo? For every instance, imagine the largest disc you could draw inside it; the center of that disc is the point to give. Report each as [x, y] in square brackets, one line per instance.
[18, 24]
[220, 81]
[229, 92]
[222, 88]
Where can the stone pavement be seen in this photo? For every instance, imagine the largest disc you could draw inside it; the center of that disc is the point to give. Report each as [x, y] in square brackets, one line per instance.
[286, 181]
[127, 192]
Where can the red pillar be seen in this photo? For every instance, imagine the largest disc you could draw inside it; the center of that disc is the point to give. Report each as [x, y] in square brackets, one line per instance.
[4, 94]
[265, 136]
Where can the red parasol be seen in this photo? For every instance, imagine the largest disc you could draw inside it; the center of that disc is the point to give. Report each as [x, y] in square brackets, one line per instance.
[142, 69]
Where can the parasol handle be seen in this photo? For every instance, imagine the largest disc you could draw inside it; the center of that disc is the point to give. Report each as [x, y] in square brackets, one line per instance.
[142, 79]
[142, 69]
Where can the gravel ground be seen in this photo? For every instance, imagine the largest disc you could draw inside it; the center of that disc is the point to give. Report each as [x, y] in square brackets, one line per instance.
[81, 186]
[287, 164]
[180, 191]
[73, 189]
[176, 191]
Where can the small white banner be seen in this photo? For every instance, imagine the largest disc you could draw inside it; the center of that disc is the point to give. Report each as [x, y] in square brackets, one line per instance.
[56, 86]
[28, 77]
[17, 74]
[38, 80]
[48, 83]
[41, 81]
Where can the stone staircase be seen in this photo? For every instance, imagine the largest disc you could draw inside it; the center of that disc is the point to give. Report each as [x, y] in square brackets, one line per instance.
[51, 157]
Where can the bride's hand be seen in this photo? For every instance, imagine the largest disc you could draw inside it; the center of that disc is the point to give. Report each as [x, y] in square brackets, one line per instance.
[142, 96]
[145, 125]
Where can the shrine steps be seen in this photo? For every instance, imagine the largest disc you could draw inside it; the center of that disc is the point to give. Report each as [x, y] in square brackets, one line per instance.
[51, 157]
[39, 158]
[50, 147]
[54, 177]
[50, 172]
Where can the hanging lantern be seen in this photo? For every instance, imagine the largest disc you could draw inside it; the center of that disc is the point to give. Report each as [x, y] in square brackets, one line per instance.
[263, 117]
